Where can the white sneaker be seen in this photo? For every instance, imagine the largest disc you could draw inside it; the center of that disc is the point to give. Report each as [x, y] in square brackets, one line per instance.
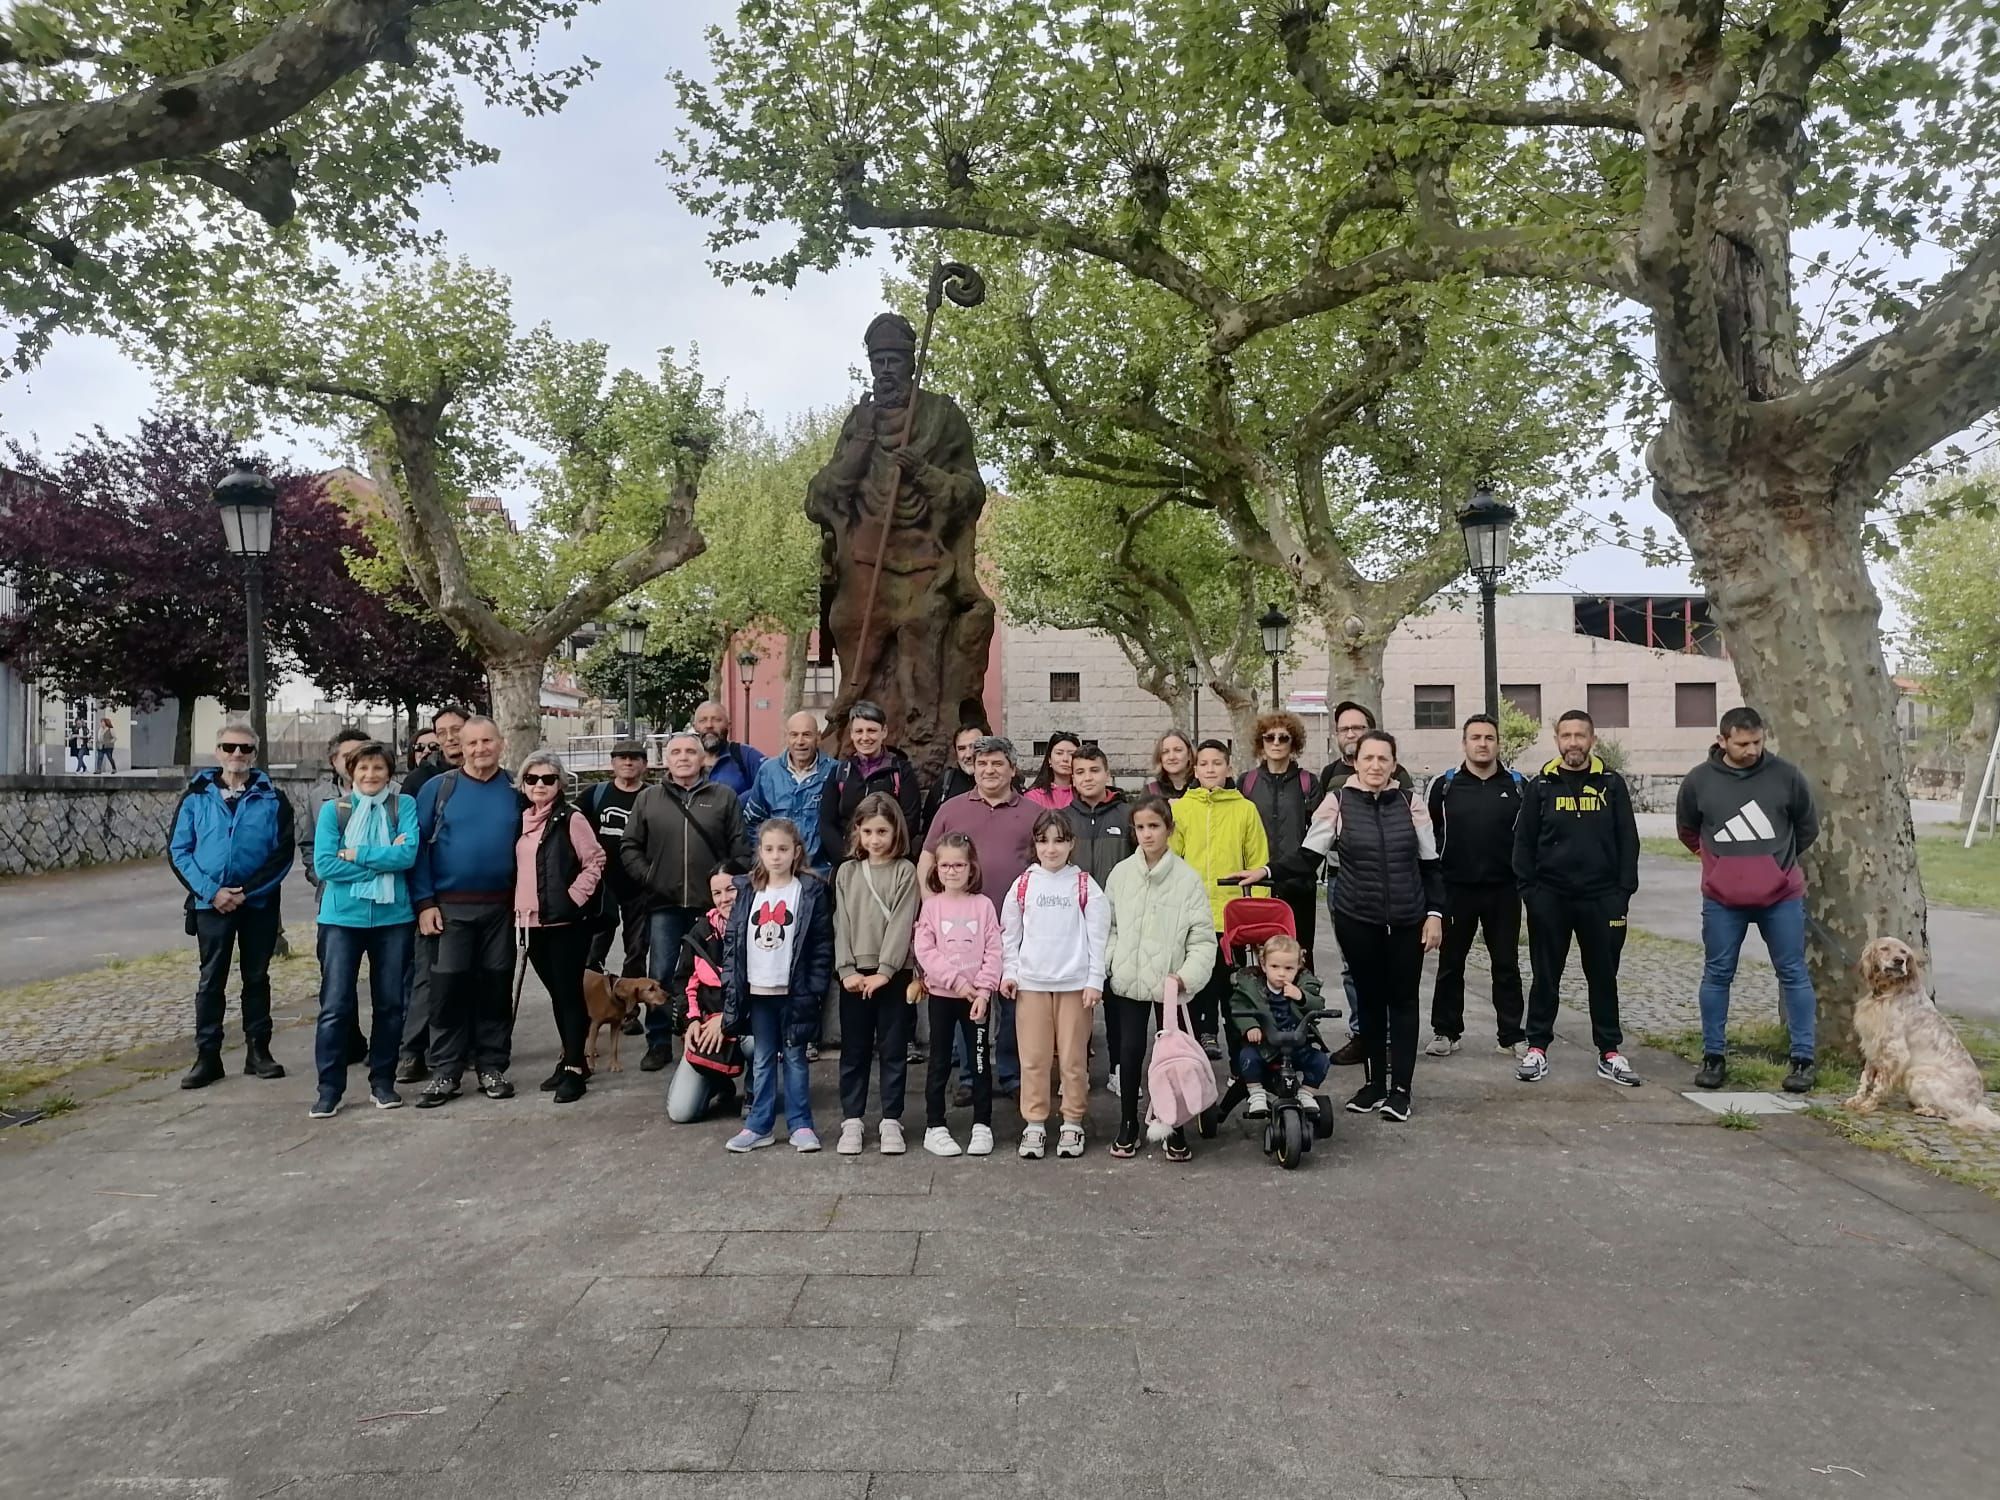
[892, 1138]
[1069, 1140]
[850, 1138]
[1259, 1107]
[1034, 1140]
[1442, 1046]
[981, 1143]
[1111, 1084]
[1515, 1050]
[1534, 1066]
[938, 1141]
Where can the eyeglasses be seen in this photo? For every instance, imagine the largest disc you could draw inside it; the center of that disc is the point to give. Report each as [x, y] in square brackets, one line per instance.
[532, 778]
[1279, 738]
[228, 747]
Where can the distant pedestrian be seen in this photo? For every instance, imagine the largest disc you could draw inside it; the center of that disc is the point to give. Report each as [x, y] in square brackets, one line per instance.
[79, 750]
[232, 846]
[1285, 795]
[729, 764]
[1576, 862]
[608, 805]
[1473, 810]
[792, 786]
[463, 888]
[874, 917]
[364, 843]
[1749, 814]
[1173, 766]
[107, 746]
[1053, 786]
[558, 869]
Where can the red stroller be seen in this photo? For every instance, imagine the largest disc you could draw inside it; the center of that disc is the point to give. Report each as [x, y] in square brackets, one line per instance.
[1298, 1117]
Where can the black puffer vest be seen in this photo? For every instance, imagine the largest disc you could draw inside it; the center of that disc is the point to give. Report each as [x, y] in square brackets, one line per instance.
[556, 869]
[1381, 877]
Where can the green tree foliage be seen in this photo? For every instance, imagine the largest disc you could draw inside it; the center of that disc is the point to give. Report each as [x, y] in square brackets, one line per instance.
[424, 371]
[1518, 731]
[1945, 582]
[149, 152]
[669, 684]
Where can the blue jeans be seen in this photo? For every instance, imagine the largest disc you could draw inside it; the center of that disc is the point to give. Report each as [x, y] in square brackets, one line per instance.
[767, 1048]
[1312, 1064]
[387, 950]
[1784, 928]
[665, 930]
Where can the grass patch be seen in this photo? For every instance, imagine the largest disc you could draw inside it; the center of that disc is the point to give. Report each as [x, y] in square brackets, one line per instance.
[18, 1080]
[1904, 1148]
[1759, 1057]
[1953, 875]
[178, 965]
[1737, 1119]
[1670, 848]
[56, 1104]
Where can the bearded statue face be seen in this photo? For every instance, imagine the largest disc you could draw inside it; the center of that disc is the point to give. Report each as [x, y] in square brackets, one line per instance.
[892, 369]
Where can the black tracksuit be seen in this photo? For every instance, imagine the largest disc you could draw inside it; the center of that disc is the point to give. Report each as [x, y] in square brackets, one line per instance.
[1576, 864]
[845, 786]
[1474, 819]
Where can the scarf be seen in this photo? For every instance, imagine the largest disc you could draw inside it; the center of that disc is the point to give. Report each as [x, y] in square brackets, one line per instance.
[369, 825]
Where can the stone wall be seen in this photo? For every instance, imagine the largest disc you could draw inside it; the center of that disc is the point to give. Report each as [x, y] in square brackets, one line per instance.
[60, 822]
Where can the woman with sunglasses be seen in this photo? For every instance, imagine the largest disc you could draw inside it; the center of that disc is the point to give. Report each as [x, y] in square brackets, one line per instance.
[1286, 795]
[558, 869]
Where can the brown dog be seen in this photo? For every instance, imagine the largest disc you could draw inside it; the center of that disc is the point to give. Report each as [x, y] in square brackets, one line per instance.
[610, 1001]
[1907, 1043]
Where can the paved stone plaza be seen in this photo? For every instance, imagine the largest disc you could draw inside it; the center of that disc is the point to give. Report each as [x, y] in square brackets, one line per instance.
[1563, 1290]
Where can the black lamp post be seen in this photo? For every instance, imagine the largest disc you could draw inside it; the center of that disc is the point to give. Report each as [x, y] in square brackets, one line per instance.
[632, 646]
[1487, 526]
[1194, 694]
[746, 668]
[247, 502]
[1277, 628]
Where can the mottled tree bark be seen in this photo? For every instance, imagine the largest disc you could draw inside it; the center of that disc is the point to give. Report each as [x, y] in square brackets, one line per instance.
[516, 685]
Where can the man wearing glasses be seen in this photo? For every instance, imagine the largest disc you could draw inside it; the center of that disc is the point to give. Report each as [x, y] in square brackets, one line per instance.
[1285, 794]
[232, 848]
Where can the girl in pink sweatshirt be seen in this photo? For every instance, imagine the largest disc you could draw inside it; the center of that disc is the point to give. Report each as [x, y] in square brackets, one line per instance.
[957, 947]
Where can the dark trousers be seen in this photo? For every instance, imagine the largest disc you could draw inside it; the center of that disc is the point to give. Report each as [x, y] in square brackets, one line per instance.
[1304, 902]
[341, 950]
[1495, 907]
[1598, 925]
[558, 954]
[1254, 1064]
[875, 1028]
[1128, 1048]
[633, 929]
[667, 927]
[1205, 1006]
[1388, 964]
[252, 933]
[471, 993]
[417, 1014]
[953, 1018]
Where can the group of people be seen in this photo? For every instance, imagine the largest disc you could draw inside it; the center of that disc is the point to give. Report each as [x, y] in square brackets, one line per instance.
[80, 747]
[799, 901]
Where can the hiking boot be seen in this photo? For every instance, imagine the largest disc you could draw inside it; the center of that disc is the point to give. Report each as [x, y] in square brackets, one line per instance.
[257, 1060]
[207, 1069]
[1211, 1046]
[1534, 1066]
[1397, 1106]
[1257, 1104]
[1613, 1068]
[1714, 1071]
[549, 1083]
[325, 1107]
[438, 1091]
[656, 1058]
[1803, 1078]
[495, 1086]
[850, 1142]
[891, 1132]
[1441, 1046]
[411, 1070]
[1368, 1098]
[981, 1143]
[1350, 1056]
[1069, 1140]
[635, 1025]
[1034, 1141]
[569, 1086]
[938, 1141]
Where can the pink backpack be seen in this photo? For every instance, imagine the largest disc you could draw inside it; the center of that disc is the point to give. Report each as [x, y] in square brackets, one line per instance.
[1180, 1082]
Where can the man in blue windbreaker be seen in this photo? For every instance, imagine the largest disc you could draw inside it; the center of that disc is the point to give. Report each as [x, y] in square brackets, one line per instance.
[232, 846]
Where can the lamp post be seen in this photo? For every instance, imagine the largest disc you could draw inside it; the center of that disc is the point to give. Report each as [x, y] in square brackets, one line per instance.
[746, 669]
[247, 502]
[1277, 628]
[1487, 526]
[632, 646]
[1194, 695]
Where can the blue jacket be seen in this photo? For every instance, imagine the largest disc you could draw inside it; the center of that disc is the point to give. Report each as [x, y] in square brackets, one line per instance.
[467, 853]
[737, 768]
[214, 845]
[777, 793]
[342, 900]
[812, 960]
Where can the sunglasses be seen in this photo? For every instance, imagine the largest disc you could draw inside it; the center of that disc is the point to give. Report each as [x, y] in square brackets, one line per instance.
[228, 747]
[538, 778]
[1280, 738]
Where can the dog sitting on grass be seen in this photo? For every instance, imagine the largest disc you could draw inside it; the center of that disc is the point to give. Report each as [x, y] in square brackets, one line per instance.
[1907, 1044]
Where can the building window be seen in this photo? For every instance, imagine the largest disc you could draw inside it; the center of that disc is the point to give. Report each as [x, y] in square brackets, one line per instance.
[819, 687]
[1609, 704]
[1525, 696]
[1065, 687]
[1436, 706]
[1694, 705]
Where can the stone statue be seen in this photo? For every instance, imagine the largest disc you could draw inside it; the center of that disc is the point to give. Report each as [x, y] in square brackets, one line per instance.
[898, 507]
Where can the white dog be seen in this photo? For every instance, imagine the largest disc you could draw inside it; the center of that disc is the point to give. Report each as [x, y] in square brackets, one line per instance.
[1906, 1043]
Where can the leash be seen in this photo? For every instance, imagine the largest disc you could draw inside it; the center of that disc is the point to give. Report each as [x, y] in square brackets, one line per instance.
[1827, 937]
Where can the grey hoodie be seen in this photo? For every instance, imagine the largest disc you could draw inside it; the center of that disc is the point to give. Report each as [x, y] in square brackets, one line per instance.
[1749, 826]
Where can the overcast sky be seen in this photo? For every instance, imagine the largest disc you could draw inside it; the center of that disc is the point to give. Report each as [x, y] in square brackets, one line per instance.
[578, 213]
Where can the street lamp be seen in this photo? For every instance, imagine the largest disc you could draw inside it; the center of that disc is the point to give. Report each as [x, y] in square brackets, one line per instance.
[247, 502]
[746, 668]
[1487, 526]
[1277, 628]
[1194, 694]
[632, 646]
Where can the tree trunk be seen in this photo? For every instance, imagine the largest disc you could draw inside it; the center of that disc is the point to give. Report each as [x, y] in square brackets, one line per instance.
[184, 729]
[1353, 671]
[1978, 745]
[1241, 702]
[797, 648]
[409, 721]
[516, 687]
[1780, 551]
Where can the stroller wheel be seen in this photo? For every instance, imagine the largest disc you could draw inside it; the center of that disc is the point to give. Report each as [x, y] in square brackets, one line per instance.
[1290, 1130]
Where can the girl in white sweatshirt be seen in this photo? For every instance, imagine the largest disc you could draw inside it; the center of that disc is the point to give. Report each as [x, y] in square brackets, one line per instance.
[1055, 925]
